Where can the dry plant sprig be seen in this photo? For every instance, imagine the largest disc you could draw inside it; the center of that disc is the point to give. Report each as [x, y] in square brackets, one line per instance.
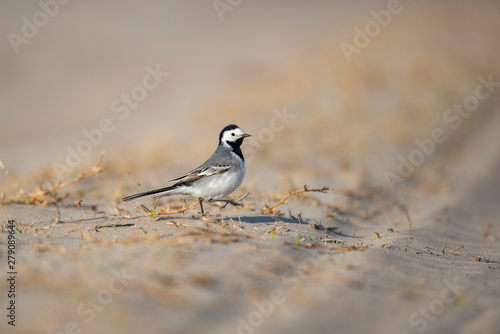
[98, 228]
[117, 224]
[274, 229]
[42, 196]
[168, 213]
[56, 221]
[459, 247]
[405, 210]
[272, 209]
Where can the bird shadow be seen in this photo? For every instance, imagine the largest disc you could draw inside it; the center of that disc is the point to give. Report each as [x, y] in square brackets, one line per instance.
[262, 219]
[272, 219]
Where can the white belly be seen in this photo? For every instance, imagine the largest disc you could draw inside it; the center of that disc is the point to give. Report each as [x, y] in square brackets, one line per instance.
[220, 185]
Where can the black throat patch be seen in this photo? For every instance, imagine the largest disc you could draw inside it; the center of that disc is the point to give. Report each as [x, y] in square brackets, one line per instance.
[236, 147]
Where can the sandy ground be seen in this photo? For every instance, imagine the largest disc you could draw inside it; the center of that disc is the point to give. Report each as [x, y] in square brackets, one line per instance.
[382, 248]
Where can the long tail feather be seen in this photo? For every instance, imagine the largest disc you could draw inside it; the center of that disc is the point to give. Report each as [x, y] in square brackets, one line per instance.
[150, 194]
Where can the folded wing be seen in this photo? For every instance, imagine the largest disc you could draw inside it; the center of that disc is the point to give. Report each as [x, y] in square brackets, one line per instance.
[201, 172]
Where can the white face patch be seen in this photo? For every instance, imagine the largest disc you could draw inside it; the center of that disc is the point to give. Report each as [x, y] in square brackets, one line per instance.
[232, 135]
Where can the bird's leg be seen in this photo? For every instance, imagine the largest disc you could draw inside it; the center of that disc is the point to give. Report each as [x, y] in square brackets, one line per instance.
[227, 201]
[200, 200]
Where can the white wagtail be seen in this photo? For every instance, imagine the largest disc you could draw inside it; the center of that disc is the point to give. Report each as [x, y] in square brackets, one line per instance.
[219, 176]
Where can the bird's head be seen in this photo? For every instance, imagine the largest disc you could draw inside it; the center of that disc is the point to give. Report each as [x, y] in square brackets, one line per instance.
[232, 135]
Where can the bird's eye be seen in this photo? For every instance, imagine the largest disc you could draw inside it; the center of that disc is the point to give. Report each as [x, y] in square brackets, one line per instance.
[232, 134]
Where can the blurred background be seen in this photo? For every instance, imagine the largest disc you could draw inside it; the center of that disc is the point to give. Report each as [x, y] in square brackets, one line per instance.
[358, 100]
[335, 93]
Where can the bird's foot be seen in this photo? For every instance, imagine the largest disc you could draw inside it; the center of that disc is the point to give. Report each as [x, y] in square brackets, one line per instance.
[228, 201]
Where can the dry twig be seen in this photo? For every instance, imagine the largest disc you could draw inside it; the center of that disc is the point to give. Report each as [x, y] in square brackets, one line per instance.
[459, 247]
[56, 221]
[405, 210]
[272, 209]
[164, 212]
[41, 196]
